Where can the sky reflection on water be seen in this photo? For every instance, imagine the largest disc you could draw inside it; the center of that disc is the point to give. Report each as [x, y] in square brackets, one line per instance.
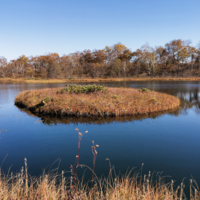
[167, 142]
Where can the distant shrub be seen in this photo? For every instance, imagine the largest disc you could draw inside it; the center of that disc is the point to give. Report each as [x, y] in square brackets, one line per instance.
[27, 92]
[60, 91]
[81, 89]
[115, 96]
[143, 90]
[47, 99]
[154, 99]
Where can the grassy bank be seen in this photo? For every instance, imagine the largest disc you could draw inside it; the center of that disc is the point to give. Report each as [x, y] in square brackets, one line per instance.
[105, 102]
[22, 80]
[57, 187]
[67, 186]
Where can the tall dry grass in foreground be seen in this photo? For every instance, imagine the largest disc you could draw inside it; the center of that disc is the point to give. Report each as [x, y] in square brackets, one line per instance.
[52, 187]
[56, 186]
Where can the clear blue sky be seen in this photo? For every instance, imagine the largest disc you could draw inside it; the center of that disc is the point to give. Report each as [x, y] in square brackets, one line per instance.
[37, 27]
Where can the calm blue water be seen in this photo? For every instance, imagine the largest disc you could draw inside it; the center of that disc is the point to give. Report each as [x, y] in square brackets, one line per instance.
[168, 143]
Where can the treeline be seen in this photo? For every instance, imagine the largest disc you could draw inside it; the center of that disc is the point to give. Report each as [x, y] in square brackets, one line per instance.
[177, 58]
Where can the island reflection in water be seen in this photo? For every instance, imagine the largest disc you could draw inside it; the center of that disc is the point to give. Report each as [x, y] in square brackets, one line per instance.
[188, 100]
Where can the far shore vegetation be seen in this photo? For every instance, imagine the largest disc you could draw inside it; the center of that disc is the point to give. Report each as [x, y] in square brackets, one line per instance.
[177, 59]
[95, 100]
[96, 80]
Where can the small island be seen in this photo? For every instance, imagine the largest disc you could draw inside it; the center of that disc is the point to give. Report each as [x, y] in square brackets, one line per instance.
[94, 100]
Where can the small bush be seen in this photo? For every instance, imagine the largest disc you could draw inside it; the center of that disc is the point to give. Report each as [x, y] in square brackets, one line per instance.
[154, 99]
[47, 99]
[115, 96]
[81, 89]
[145, 90]
[60, 91]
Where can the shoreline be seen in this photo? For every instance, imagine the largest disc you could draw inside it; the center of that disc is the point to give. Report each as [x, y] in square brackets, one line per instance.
[85, 80]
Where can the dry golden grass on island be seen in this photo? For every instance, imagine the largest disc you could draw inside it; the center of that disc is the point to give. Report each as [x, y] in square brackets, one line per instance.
[95, 100]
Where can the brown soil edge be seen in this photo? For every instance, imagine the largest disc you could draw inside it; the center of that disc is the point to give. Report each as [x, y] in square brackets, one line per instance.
[20, 80]
[62, 112]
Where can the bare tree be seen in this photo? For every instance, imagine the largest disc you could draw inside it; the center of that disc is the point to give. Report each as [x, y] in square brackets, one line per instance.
[3, 63]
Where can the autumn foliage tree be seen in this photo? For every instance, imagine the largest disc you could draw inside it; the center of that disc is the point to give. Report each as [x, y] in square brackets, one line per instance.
[177, 58]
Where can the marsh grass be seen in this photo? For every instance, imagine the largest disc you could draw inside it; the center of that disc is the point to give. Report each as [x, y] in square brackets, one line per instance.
[54, 186]
[102, 102]
[57, 186]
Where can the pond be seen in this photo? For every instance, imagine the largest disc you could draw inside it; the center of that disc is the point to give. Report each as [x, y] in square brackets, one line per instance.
[165, 142]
